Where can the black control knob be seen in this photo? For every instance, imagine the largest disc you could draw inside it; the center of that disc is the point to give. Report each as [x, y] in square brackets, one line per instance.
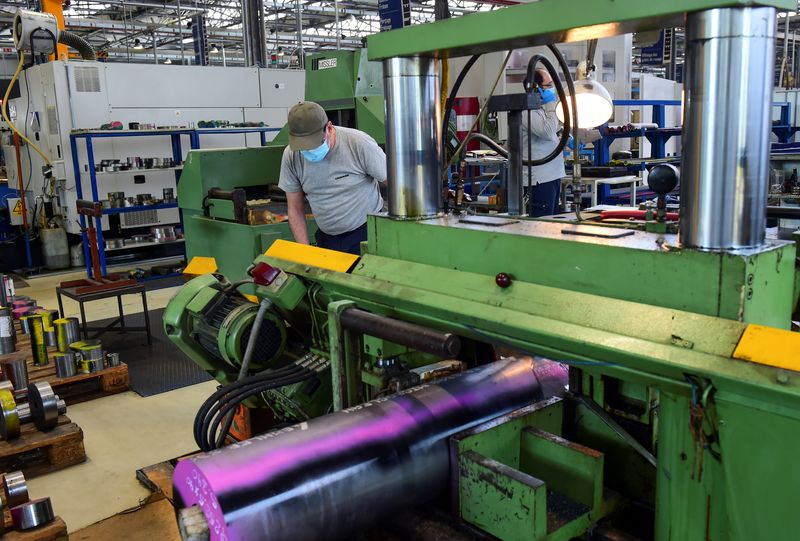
[663, 178]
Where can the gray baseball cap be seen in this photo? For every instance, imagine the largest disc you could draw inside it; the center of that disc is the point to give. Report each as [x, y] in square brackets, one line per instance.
[307, 121]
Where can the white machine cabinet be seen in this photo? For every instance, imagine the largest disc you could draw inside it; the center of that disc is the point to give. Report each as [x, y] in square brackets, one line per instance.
[59, 97]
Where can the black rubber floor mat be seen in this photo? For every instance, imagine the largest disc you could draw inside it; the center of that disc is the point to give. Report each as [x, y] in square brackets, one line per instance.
[161, 283]
[156, 368]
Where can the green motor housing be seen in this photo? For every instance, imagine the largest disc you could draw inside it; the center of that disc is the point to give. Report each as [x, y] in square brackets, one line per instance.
[212, 326]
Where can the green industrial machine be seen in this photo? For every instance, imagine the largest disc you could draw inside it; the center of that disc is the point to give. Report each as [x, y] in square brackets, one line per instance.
[234, 226]
[682, 416]
[350, 89]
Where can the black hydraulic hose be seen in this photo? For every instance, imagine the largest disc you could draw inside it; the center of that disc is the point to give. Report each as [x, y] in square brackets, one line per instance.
[528, 85]
[448, 108]
[210, 403]
[497, 147]
[202, 413]
[229, 397]
[489, 142]
[568, 116]
[227, 408]
[248, 357]
[78, 43]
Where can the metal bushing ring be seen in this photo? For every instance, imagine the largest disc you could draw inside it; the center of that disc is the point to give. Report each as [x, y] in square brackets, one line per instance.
[34, 514]
[44, 405]
[16, 488]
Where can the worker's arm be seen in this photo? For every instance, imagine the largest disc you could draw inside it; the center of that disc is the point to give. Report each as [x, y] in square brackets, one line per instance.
[289, 182]
[544, 122]
[372, 158]
[297, 217]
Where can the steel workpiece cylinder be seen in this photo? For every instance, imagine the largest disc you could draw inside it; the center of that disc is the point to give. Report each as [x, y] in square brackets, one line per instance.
[330, 476]
[726, 125]
[413, 137]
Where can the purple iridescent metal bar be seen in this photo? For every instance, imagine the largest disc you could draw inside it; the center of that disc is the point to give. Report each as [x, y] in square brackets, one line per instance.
[336, 474]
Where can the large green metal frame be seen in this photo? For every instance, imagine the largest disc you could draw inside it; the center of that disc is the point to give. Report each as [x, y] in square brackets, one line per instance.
[659, 411]
[543, 22]
[752, 415]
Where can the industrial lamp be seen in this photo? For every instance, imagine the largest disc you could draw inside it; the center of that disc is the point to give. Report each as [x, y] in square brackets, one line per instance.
[594, 102]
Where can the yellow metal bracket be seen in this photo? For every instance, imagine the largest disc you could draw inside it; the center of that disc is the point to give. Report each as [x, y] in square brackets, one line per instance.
[200, 265]
[303, 254]
[769, 346]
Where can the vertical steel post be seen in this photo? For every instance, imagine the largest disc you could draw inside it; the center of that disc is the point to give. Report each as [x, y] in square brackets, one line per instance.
[514, 194]
[726, 127]
[338, 29]
[180, 29]
[344, 369]
[301, 59]
[253, 30]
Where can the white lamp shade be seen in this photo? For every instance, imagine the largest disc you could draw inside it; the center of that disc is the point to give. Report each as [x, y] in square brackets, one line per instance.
[594, 104]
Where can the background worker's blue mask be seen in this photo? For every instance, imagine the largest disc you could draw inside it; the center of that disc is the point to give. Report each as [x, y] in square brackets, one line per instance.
[316, 154]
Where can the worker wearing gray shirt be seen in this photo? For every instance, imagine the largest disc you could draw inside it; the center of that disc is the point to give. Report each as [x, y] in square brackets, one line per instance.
[543, 133]
[338, 170]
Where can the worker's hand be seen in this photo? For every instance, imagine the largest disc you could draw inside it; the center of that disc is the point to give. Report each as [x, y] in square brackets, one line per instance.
[548, 95]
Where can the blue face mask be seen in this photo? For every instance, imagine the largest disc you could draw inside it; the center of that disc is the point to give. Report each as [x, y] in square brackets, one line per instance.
[316, 154]
[548, 95]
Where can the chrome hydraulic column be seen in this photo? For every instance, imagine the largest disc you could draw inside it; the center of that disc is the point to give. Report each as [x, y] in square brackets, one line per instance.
[413, 136]
[728, 83]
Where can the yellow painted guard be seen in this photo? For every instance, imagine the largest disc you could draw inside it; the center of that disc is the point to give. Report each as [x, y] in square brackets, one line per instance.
[769, 346]
[304, 254]
[201, 265]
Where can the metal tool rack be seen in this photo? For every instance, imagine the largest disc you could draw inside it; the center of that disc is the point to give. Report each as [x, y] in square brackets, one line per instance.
[177, 154]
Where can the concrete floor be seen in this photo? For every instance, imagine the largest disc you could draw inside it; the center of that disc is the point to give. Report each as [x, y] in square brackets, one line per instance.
[122, 433]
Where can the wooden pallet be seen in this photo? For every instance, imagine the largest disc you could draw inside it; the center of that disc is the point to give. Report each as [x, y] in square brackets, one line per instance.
[158, 477]
[37, 453]
[75, 389]
[55, 531]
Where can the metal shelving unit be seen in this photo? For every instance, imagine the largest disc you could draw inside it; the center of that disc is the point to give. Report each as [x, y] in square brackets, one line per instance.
[88, 136]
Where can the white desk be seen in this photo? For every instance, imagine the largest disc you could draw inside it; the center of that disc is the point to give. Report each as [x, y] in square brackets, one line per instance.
[631, 180]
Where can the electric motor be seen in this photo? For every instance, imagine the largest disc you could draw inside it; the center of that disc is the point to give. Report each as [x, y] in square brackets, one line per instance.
[223, 330]
[28, 22]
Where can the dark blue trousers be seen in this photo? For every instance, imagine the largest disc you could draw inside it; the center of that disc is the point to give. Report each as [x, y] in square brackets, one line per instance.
[543, 199]
[349, 242]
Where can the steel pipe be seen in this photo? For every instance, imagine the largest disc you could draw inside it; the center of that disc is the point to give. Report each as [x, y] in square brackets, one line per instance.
[16, 370]
[726, 126]
[336, 474]
[792, 213]
[445, 345]
[413, 137]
